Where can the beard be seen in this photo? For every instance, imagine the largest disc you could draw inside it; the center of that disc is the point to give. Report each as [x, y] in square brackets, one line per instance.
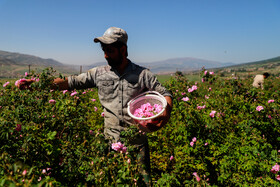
[114, 63]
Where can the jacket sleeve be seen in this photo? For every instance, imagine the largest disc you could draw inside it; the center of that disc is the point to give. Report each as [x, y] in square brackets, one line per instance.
[152, 84]
[84, 80]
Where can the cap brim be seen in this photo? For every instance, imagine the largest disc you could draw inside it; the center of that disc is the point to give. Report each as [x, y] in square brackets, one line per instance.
[104, 40]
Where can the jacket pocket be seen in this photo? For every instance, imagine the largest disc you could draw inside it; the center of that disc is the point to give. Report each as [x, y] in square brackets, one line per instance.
[106, 88]
[133, 89]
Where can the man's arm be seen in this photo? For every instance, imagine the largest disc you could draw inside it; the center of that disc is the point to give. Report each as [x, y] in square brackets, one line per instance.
[58, 84]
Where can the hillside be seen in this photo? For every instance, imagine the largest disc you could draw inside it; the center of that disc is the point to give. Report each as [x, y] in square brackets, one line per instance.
[23, 59]
[15, 64]
[271, 65]
[263, 62]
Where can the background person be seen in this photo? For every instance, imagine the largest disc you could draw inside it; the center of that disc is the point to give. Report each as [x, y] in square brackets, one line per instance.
[117, 83]
[259, 80]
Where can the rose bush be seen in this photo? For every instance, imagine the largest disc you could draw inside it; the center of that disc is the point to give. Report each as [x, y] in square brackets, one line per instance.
[218, 137]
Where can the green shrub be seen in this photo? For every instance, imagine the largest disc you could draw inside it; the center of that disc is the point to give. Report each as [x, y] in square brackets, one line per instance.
[215, 136]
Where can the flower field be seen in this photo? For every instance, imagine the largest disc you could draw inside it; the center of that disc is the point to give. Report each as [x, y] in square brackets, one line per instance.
[222, 132]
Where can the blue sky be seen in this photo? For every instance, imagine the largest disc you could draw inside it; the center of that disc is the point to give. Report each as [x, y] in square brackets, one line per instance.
[220, 30]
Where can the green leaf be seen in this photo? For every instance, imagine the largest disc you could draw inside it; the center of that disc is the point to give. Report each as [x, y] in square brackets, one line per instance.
[51, 135]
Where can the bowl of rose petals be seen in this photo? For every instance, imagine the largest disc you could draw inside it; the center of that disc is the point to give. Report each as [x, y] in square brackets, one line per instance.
[146, 108]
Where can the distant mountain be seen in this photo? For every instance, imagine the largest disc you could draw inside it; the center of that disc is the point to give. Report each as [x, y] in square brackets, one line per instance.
[183, 64]
[10, 58]
[13, 65]
[177, 64]
[275, 60]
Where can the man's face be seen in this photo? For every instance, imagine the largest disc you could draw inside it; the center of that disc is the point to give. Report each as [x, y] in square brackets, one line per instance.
[112, 54]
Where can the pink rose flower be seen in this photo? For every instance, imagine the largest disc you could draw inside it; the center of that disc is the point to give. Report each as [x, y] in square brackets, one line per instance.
[147, 110]
[185, 99]
[278, 177]
[124, 149]
[194, 139]
[196, 176]
[270, 101]
[4, 85]
[64, 91]
[52, 101]
[102, 114]
[119, 147]
[275, 168]
[171, 158]
[25, 73]
[24, 172]
[191, 144]
[202, 80]
[269, 116]
[17, 83]
[91, 132]
[158, 108]
[95, 108]
[205, 72]
[194, 87]
[74, 93]
[212, 114]
[201, 107]
[211, 73]
[93, 100]
[259, 108]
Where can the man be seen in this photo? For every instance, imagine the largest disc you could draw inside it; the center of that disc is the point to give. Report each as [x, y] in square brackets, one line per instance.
[117, 83]
[259, 80]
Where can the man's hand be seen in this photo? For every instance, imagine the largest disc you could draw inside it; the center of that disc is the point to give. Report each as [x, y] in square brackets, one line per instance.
[161, 120]
[24, 84]
[60, 84]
